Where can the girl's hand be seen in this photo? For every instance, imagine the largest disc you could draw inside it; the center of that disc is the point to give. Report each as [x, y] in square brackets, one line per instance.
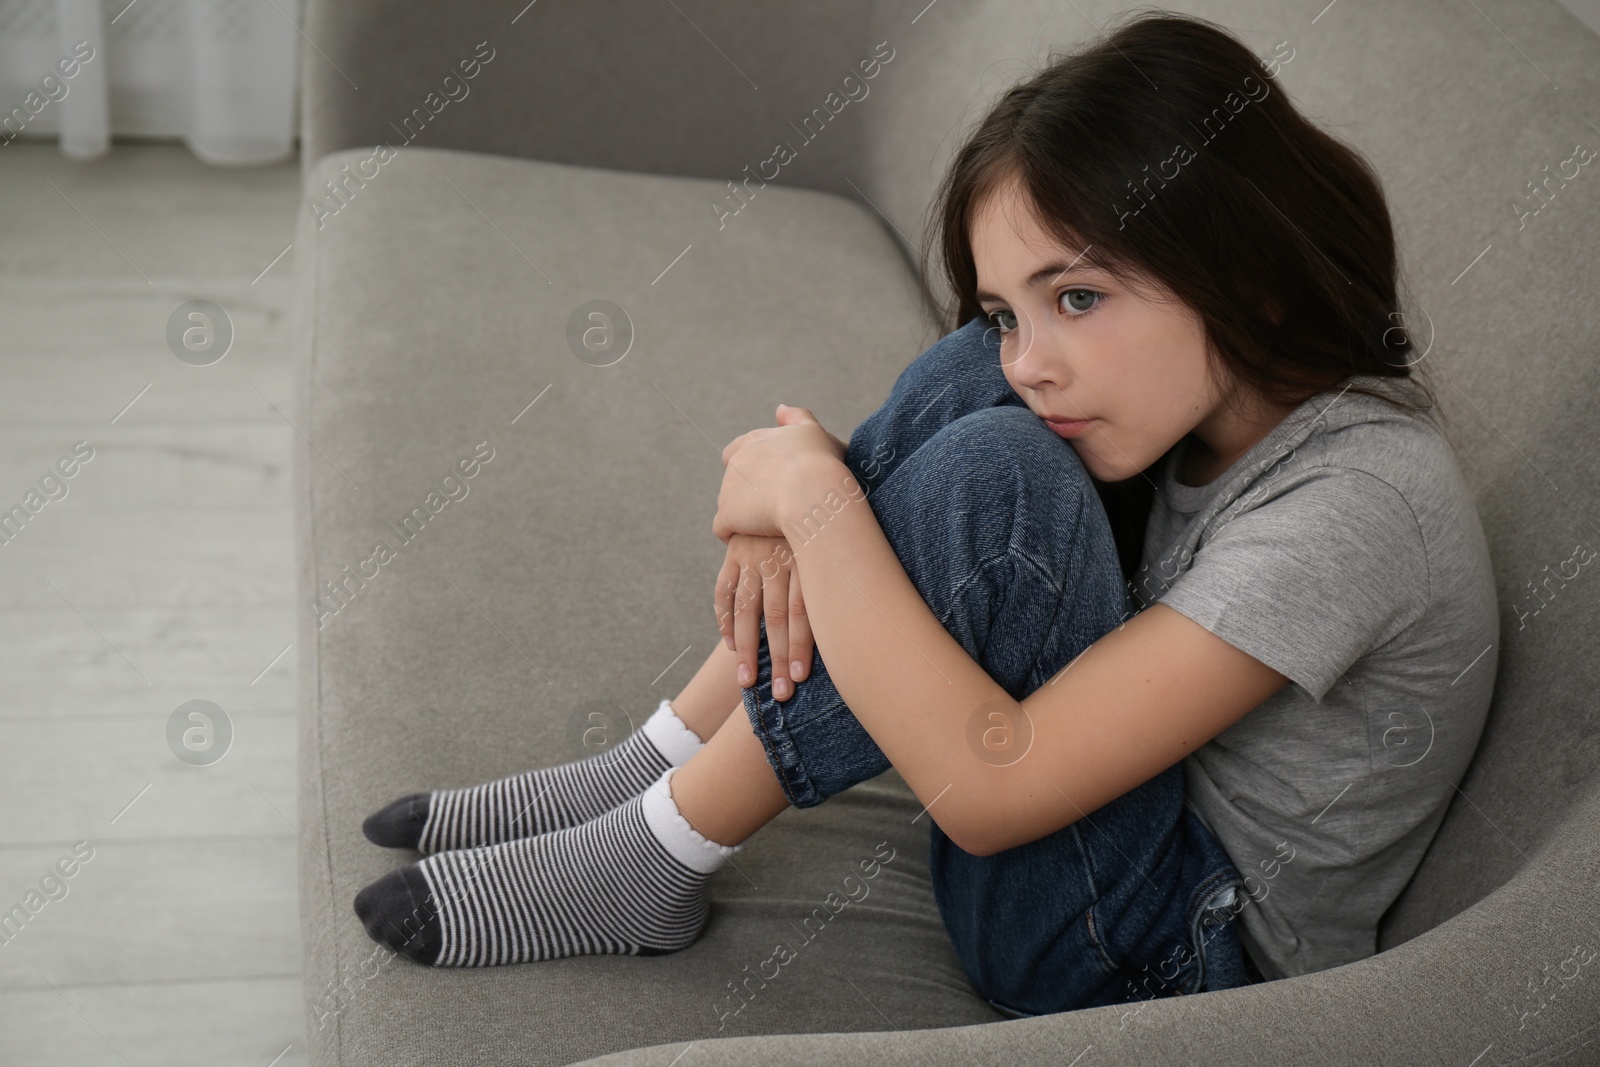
[759, 575]
[788, 416]
[762, 465]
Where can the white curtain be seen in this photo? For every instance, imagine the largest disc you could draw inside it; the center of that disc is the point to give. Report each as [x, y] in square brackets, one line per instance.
[219, 74]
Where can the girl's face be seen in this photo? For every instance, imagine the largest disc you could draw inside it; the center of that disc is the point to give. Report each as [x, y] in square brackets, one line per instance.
[1076, 344]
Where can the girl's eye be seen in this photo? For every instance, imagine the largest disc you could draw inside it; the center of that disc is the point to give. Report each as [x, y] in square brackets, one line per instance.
[1075, 309]
[1078, 303]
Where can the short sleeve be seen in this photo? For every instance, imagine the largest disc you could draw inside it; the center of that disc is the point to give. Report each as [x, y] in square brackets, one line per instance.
[1312, 579]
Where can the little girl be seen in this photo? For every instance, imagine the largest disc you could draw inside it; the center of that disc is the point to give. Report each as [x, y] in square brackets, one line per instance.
[1151, 578]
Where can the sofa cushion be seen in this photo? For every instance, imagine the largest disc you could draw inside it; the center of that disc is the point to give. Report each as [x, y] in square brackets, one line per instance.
[1470, 114]
[1477, 119]
[540, 608]
[1458, 109]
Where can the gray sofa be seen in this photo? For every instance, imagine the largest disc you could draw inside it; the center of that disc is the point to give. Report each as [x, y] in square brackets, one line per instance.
[548, 156]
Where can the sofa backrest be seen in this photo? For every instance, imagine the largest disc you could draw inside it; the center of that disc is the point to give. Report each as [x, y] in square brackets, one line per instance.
[1457, 120]
[1459, 108]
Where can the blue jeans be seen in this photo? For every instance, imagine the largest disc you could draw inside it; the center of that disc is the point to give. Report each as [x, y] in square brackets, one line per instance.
[999, 527]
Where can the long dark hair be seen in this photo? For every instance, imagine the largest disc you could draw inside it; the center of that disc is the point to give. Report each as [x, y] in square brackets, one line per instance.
[1169, 151]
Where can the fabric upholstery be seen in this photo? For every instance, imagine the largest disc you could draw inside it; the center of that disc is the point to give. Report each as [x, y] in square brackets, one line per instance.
[591, 160]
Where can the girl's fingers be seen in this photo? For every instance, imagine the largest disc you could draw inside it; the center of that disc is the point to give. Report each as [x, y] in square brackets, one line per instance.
[801, 642]
[746, 625]
[722, 598]
[775, 605]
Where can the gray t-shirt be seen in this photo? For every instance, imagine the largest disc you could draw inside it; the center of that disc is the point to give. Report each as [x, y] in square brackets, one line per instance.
[1344, 551]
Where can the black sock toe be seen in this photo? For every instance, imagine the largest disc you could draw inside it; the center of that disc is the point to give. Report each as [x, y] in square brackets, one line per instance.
[398, 911]
[400, 824]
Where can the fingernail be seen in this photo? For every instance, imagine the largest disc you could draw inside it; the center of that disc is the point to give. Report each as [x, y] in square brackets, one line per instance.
[780, 689]
[796, 669]
[729, 642]
[744, 674]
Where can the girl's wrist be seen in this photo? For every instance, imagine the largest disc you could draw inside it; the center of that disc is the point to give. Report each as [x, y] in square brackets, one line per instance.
[817, 491]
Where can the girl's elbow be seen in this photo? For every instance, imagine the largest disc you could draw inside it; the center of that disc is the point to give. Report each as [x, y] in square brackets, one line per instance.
[978, 833]
[983, 848]
[987, 833]
[998, 810]
[967, 834]
[970, 844]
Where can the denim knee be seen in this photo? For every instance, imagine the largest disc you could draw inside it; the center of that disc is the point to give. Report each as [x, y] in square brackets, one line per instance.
[999, 527]
[1023, 492]
[957, 374]
[1007, 438]
[1004, 450]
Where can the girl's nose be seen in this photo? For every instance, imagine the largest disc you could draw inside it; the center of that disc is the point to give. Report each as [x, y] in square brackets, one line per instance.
[1033, 363]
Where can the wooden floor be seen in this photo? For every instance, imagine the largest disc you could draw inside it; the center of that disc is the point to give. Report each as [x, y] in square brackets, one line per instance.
[163, 575]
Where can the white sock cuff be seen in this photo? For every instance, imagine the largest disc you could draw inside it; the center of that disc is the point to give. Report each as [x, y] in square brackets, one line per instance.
[686, 844]
[671, 737]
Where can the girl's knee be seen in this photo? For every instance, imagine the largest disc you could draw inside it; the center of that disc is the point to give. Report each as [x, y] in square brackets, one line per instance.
[966, 359]
[1008, 445]
[993, 481]
[959, 347]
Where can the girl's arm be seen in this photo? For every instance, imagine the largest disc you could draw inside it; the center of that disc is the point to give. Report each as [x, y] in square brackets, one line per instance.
[1132, 704]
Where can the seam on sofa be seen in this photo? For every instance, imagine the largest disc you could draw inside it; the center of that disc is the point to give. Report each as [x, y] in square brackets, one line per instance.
[314, 649]
[317, 693]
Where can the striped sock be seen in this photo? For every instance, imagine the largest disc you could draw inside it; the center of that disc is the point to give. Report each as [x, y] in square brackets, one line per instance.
[632, 881]
[536, 802]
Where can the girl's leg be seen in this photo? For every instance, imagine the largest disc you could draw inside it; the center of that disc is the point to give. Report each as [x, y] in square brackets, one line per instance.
[727, 791]
[553, 798]
[711, 694]
[957, 374]
[633, 880]
[952, 461]
[1000, 529]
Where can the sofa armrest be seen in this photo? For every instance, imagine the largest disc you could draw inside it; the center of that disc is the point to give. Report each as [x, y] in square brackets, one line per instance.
[602, 83]
[1517, 975]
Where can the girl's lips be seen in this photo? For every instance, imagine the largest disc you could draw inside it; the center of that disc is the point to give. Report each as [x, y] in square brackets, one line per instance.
[1068, 427]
